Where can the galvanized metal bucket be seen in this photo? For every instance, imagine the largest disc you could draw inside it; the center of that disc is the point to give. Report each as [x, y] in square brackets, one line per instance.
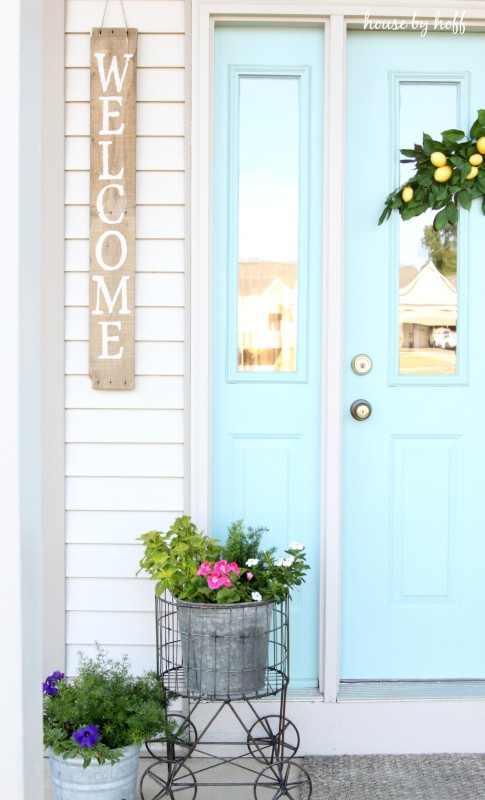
[101, 781]
[225, 647]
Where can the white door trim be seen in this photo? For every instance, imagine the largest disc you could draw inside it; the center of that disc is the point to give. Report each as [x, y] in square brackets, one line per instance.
[204, 15]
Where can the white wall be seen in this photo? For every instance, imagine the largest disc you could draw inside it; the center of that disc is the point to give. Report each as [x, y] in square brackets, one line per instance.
[20, 585]
[125, 450]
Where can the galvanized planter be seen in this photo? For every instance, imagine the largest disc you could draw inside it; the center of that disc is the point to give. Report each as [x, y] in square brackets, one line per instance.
[101, 781]
[225, 647]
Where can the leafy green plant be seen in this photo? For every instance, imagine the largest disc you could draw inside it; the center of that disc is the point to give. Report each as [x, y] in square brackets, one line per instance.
[103, 709]
[197, 568]
[459, 182]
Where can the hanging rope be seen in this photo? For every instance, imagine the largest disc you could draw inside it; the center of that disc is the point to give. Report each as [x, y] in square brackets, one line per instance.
[122, 8]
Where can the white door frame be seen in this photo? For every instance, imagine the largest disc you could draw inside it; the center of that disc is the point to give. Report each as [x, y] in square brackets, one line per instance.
[335, 17]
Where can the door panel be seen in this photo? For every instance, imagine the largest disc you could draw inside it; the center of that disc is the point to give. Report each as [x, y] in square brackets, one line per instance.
[267, 246]
[413, 547]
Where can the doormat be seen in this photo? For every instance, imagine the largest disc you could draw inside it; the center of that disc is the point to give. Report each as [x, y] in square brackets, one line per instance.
[396, 777]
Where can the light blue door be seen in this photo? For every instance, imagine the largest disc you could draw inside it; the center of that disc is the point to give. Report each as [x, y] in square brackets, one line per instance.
[413, 596]
[267, 254]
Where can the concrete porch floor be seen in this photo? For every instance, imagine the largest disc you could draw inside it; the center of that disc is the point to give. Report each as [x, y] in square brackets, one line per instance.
[223, 774]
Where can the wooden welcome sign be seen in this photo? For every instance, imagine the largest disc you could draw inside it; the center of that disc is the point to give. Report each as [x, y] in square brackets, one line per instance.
[112, 209]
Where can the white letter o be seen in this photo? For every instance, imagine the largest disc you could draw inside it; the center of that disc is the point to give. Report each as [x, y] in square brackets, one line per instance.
[99, 250]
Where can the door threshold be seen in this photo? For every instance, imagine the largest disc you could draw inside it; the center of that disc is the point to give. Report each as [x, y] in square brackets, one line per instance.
[410, 690]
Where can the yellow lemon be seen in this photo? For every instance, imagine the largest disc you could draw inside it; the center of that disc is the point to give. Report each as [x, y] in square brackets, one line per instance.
[438, 159]
[407, 194]
[443, 174]
[481, 145]
[475, 160]
[472, 174]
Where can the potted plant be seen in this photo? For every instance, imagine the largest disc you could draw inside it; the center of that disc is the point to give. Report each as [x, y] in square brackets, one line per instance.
[97, 720]
[225, 596]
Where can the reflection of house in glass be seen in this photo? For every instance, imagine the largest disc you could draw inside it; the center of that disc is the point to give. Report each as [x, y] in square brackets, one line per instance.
[267, 316]
[427, 320]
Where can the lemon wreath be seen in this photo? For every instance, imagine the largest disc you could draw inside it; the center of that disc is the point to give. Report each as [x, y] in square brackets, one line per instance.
[449, 173]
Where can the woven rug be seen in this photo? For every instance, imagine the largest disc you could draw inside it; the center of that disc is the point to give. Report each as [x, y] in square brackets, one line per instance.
[391, 777]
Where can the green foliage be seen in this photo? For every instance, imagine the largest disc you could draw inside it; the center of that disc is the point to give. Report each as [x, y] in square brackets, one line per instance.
[242, 545]
[126, 709]
[447, 196]
[441, 247]
[173, 560]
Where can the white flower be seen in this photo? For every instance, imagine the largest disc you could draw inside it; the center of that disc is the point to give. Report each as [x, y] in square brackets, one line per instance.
[287, 562]
[279, 562]
[294, 545]
[252, 562]
[256, 596]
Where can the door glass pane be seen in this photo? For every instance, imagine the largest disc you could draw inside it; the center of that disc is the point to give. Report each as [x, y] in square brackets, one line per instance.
[268, 224]
[428, 258]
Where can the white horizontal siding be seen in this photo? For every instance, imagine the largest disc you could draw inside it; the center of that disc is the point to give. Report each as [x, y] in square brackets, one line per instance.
[157, 84]
[128, 425]
[125, 450]
[153, 50]
[110, 627]
[151, 324]
[114, 527]
[152, 119]
[141, 658]
[149, 16]
[123, 494]
[151, 289]
[104, 560]
[151, 358]
[152, 153]
[152, 255]
[116, 594]
[151, 222]
[125, 460]
[152, 392]
[152, 188]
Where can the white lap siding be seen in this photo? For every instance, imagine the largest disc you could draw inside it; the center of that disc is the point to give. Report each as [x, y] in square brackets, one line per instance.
[125, 450]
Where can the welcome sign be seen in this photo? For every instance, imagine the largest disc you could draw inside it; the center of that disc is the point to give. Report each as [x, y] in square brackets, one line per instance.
[112, 209]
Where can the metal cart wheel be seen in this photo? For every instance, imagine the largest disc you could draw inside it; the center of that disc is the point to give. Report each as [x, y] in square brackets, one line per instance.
[283, 779]
[168, 780]
[272, 738]
[184, 740]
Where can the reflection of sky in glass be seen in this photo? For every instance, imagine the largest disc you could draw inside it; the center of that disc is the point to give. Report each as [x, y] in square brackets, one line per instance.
[424, 108]
[268, 169]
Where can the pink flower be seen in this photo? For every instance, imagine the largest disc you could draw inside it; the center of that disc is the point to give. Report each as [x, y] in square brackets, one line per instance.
[205, 568]
[215, 581]
[220, 568]
[226, 581]
[249, 576]
[234, 567]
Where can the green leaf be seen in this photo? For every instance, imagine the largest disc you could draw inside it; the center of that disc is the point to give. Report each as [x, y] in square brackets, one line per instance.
[464, 198]
[465, 170]
[481, 179]
[408, 153]
[457, 161]
[481, 116]
[440, 220]
[453, 135]
[483, 206]
[385, 215]
[428, 144]
[475, 130]
[452, 213]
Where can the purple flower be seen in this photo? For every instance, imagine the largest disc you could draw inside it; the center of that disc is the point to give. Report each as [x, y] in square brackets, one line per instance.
[49, 687]
[86, 737]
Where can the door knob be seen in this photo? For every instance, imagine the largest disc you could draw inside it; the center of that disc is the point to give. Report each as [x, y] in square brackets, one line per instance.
[361, 409]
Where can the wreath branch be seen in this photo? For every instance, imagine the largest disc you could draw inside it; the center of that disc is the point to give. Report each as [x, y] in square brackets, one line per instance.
[449, 173]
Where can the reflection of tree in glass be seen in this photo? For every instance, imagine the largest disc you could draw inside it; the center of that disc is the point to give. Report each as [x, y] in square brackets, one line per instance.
[441, 247]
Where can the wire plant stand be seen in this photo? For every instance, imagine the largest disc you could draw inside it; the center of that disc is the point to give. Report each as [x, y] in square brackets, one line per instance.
[229, 656]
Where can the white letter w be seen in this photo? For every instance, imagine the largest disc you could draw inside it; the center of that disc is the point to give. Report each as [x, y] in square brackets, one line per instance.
[113, 71]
